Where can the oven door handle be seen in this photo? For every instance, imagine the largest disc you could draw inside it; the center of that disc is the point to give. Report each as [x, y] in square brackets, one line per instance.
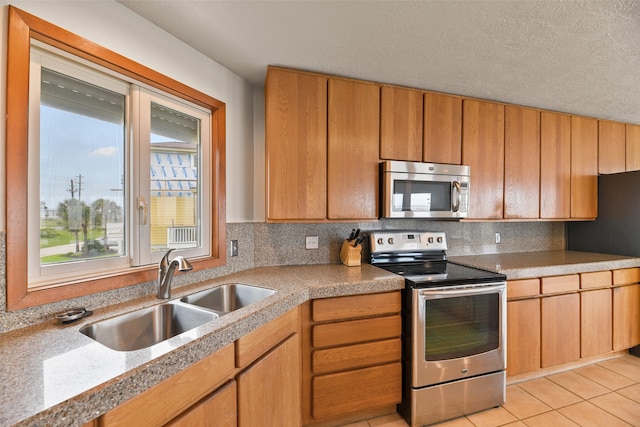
[460, 292]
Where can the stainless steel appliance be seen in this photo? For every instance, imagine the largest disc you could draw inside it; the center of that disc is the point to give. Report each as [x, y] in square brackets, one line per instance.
[454, 328]
[424, 190]
[616, 230]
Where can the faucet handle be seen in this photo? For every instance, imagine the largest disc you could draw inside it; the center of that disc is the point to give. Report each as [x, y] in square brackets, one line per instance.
[164, 262]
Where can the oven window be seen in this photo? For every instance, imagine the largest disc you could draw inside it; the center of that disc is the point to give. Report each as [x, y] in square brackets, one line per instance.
[461, 326]
[421, 196]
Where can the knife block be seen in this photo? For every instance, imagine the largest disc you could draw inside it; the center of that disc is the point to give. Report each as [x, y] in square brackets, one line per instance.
[350, 255]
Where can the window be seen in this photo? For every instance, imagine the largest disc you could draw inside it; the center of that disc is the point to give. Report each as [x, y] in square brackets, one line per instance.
[114, 165]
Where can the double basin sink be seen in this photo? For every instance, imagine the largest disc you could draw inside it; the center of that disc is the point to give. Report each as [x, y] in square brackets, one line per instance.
[148, 326]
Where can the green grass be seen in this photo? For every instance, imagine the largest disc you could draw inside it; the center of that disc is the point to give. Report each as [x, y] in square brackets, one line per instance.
[65, 237]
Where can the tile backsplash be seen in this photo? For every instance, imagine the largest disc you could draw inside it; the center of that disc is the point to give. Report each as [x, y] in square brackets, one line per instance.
[262, 245]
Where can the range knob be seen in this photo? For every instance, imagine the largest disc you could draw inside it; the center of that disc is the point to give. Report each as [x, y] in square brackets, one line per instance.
[439, 239]
[380, 240]
[390, 240]
[430, 239]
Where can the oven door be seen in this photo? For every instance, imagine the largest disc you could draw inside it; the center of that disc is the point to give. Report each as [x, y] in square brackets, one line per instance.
[457, 332]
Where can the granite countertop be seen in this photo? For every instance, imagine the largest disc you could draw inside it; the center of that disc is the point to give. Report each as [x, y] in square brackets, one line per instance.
[525, 265]
[51, 374]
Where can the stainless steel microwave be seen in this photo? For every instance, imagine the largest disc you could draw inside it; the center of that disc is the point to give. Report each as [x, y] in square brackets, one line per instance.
[424, 190]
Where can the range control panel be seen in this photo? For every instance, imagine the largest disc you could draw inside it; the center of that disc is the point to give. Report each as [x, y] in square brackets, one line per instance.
[407, 241]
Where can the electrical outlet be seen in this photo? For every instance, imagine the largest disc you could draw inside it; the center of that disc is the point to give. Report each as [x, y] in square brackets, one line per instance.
[311, 242]
[498, 239]
[233, 248]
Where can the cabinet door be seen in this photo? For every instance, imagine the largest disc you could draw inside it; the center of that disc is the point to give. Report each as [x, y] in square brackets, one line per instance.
[483, 151]
[400, 124]
[354, 114]
[555, 165]
[521, 162]
[611, 147]
[269, 392]
[584, 167]
[595, 320]
[523, 336]
[626, 317]
[632, 147]
[296, 145]
[560, 334]
[442, 129]
[217, 410]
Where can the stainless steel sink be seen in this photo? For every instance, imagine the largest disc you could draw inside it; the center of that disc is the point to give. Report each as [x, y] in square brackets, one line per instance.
[147, 326]
[229, 297]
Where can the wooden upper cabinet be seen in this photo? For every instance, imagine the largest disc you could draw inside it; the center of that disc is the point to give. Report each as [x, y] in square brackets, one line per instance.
[555, 165]
[353, 144]
[483, 151]
[584, 167]
[442, 129]
[632, 147]
[296, 145]
[611, 147]
[400, 124]
[521, 162]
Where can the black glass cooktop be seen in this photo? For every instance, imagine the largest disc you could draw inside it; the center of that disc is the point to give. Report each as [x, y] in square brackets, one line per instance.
[442, 273]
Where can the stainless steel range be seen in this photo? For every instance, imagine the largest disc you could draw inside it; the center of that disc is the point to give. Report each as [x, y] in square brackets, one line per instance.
[454, 328]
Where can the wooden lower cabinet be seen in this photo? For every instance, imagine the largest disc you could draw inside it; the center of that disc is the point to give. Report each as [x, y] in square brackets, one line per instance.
[217, 410]
[172, 397]
[560, 332]
[626, 316]
[595, 322]
[523, 336]
[255, 381]
[352, 355]
[269, 391]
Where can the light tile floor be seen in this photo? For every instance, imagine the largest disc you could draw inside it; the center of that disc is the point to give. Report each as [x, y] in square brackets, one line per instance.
[603, 394]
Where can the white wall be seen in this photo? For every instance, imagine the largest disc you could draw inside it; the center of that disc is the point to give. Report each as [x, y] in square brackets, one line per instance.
[115, 27]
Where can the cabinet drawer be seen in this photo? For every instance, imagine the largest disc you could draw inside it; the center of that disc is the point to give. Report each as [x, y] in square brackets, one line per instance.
[523, 288]
[153, 407]
[352, 391]
[597, 279]
[356, 356]
[356, 331]
[626, 276]
[341, 308]
[560, 284]
[258, 342]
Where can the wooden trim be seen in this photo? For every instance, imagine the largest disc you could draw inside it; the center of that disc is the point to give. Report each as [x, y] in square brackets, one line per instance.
[22, 27]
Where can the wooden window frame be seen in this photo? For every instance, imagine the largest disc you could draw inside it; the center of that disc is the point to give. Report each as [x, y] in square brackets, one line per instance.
[22, 28]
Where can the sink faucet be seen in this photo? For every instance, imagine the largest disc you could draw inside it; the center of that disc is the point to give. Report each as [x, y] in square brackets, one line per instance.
[165, 273]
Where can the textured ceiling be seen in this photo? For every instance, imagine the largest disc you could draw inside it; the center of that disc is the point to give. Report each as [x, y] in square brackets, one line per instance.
[581, 57]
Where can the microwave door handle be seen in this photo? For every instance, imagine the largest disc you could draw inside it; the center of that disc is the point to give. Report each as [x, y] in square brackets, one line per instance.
[456, 205]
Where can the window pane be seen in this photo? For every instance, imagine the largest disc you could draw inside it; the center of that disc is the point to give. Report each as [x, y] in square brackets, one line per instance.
[175, 195]
[82, 147]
